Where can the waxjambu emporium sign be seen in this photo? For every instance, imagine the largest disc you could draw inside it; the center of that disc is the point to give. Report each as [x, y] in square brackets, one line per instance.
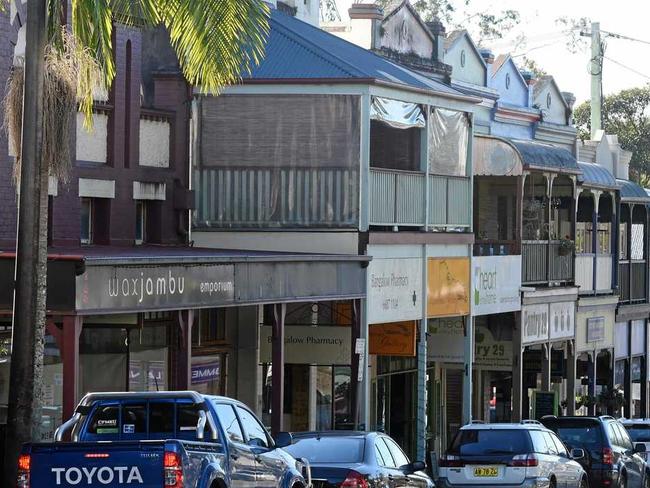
[131, 288]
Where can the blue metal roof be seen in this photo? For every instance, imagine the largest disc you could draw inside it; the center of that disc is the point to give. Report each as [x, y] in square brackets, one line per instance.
[632, 192]
[297, 50]
[537, 155]
[594, 175]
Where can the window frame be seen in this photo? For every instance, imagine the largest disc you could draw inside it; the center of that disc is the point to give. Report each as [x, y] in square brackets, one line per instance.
[91, 217]
[236, 417]
[388, 463]
[247, 438]
[389, 441]
[141, 218]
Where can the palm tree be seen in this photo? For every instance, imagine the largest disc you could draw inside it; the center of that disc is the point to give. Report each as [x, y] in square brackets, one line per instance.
[216, 41]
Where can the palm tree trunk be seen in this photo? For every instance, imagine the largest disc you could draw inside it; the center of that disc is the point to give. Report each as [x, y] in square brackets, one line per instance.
[26, 380]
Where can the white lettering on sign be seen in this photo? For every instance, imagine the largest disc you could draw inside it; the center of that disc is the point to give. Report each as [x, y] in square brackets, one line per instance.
[495, 282]
[535, 323]
[394, 290]
[104, 475]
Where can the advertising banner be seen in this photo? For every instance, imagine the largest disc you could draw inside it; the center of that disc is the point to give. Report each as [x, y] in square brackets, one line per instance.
[310, 345]
[394, 290]
[206, 372]
[396, 339]
[448, 287]
[495, 284]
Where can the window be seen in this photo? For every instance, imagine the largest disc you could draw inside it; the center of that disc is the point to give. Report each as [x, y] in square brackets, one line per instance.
[384, 453]
[477, 442]
[462, 58]
[552, 448]
[449, 134]
[140, 221]
[161, 418]
[622, 242]
[604, 238]
[626, 442]
[584, 238]
[639, 432]
[614, 435]
[105, 420]
[328, 449]
[397, 453]
[255, 432]
[86, 221]
[561, 448]
[211, 327]
[539, 442]
[134, 418]
[637, 241]
[229, 422]
[549, 100]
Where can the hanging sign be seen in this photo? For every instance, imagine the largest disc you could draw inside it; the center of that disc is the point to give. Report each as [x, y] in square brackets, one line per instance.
[396, 339]
[394, 290]
[495, 284]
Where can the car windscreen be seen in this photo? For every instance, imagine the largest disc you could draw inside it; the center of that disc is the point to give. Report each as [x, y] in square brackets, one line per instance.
[586, 434]
[490, 442]
[334, 449]
[639, 432]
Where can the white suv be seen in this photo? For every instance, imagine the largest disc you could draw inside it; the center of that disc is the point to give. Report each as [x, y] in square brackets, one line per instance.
[526, 455]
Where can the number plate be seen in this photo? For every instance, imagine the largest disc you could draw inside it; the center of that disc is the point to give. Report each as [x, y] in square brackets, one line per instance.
[487, 472]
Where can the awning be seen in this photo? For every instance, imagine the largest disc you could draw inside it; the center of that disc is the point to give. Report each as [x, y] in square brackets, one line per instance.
[631, 192]
[497, 156]
[595, 176]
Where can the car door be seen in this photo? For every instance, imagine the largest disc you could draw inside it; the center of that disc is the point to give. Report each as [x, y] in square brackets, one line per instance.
[554, 463]
[401, 460]
[572, 471]
[243, 471]
[271, 466]
[633, 462]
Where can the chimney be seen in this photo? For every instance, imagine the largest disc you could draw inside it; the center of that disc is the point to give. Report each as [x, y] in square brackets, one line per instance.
[438, 31]
[570, 100]
[365, 21]
[488, 57]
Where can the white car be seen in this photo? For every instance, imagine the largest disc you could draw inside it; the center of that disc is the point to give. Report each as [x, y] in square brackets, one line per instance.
[517, 455]
[639, 430]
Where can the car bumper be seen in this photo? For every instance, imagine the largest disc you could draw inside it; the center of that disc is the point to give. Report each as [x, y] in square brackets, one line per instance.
[603, 478]
[528, 483]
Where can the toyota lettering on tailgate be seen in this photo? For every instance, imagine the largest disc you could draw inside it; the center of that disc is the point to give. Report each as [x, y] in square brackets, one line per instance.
[105, 475]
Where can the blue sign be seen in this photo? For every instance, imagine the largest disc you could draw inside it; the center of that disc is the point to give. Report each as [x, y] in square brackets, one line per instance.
[205, 373]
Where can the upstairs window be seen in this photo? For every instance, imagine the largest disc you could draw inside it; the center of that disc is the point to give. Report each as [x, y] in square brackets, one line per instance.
[140, 222]
[86, 220]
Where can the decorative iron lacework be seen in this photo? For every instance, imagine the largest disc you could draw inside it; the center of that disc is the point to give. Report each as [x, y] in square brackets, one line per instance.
[329, 12]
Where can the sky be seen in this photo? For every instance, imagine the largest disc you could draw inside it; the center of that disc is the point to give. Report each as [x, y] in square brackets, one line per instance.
[546, 42]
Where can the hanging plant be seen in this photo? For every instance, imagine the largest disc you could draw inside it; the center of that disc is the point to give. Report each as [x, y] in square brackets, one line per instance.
[71, 75]
[567, 246]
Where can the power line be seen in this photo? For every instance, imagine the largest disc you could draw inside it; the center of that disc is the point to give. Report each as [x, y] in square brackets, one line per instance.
[627, 67]
[626, 38]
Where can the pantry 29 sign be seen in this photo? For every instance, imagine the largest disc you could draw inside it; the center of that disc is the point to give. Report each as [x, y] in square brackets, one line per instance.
[495, 284]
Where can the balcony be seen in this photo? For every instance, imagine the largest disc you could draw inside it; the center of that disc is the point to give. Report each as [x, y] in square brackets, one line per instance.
[586, 266]
[544, 263]
[402, 198]
[632, 281]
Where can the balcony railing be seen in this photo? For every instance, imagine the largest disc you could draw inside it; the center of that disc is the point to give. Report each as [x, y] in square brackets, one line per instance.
[400, 198]
[632, 281]
[586, 265]
[543, 262]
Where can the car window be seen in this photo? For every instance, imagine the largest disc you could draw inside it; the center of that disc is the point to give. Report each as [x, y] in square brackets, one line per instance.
[638, 432]
[479, 442]
[583, 434]
[626, 442]
[613, 434]
[398, 455]
[105, 420]
[386, 456]
[380, 458]
[255, 432]
[552, 448]
[161, 418]
[539, 442]
[229, 422]
[561, 448]
[328, 449]
[134, 418]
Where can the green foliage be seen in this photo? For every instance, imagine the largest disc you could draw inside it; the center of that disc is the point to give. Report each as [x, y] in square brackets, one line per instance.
[626, 115]
[532, 66]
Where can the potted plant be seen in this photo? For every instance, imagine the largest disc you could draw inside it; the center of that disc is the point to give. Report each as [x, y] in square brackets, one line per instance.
[612, 399]
[567, 246]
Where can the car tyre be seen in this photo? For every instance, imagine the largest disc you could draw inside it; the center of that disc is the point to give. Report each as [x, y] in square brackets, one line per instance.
[584, 483]
[646, 483]
[552, 484]
[622, 482]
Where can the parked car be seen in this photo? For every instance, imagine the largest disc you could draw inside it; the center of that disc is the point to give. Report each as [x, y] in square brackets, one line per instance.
[639, 430]
[523, 455]
[611, 460]
[161, 439]
[357, 460]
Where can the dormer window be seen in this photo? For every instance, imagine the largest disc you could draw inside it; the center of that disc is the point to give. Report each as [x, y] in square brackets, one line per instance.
[462, 58]
[507, 81]
[548, 100]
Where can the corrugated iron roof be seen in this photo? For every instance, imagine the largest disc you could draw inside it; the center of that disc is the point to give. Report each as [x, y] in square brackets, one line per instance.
[596, 176]
[631, 192]
[298, 50]
[538, 155]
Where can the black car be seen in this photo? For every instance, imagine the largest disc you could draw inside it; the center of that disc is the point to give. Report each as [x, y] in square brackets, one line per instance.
[357, 460]
[611, 460]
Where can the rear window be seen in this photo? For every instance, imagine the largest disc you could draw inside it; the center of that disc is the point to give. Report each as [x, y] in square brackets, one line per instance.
[639, 433]
[578, 433]
[490, 442]
[328, 449]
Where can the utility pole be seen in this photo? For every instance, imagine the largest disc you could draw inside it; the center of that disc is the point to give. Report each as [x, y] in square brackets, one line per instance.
[25, 385]
[596, 79]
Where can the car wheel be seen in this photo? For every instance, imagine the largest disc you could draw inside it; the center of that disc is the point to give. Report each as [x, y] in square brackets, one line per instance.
[646, 483]
[584, 483]
[622, 482]
[552, 484]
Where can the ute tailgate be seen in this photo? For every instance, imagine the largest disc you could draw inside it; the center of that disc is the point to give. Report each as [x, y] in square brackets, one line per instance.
[111, 464]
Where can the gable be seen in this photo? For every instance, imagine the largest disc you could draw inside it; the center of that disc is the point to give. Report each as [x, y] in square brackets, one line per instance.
[551, 103]
[467, 64]
[403, 33]
[511, 86]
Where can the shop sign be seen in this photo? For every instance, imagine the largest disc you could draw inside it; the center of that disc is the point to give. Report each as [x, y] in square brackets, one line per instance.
[448, 287]
[396, 339]
[127, 288]
[535, 322]
[205, 373]
[490, 353]
[596, 329]
[495, 284]
[394, 290]
[563, 320]
[445, 340]
[310, 345]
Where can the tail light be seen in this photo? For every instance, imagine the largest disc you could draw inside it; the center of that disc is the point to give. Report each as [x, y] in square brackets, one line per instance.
[450, 461]
[608, 456]
[24, 470]
[354, 480]
[524, 461]
[173, 470]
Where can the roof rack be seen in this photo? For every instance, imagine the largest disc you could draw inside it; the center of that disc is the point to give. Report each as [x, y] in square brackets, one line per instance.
[477, 421]
[606, 417]
[530, 421]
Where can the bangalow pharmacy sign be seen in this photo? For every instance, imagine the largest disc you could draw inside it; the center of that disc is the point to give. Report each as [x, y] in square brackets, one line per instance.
[496, 283]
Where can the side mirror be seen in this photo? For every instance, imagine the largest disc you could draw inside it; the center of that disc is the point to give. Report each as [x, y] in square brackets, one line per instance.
[639, 448]
[577, 454]
[283, 439]
[414, 466]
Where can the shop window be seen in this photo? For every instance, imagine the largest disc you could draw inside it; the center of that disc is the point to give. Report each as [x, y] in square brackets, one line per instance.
[86, 220]
[229, 422]
[140, 222]
[255, 432]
